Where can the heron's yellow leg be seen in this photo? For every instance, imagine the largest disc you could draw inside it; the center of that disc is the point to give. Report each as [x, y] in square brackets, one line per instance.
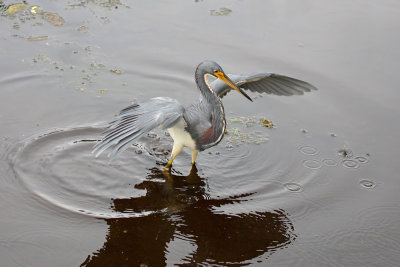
[176, 149]
[194, 155]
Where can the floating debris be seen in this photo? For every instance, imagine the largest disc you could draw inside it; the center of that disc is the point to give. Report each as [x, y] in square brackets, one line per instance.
[248, 122]
[107, 3]
[345, 153]
[44, 58]
[97, 65]
[53, 18]
[236, 138]
[239, 119]
[82, 89]
[267, 123]
[102, 91]
[16, 8]
[223, 11]
[304, 130]
[116, 71]
[110, 3]
[30, 12]
[243, 120]
[235, 131]
[35, 10]
[38, 38]
[82, 28]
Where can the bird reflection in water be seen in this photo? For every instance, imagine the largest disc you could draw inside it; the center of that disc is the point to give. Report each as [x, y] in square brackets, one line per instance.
[185, 212]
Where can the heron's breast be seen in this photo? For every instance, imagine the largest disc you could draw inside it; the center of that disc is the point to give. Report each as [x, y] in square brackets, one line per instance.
[181, 136]
[208, 136]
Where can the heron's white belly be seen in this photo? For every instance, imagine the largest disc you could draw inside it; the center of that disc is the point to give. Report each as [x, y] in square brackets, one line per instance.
[181, 136]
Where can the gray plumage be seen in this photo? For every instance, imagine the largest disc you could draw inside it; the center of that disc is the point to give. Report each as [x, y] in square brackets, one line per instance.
[268, 83]
[136, 120]
[200, 125]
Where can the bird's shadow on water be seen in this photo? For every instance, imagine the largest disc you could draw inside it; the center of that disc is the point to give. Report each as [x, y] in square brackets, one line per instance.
[184, 212]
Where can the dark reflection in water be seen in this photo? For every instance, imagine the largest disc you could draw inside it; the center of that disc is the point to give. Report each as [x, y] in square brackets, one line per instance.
[184, 212]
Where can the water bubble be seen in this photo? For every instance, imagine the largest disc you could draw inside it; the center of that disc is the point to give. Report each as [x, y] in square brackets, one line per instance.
[293, 187]
[367, 184]
[330, 162]
[362, 159]
[349, 163]
[308, 150]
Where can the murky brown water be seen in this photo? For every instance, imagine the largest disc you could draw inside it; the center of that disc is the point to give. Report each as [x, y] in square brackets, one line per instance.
[319, 189]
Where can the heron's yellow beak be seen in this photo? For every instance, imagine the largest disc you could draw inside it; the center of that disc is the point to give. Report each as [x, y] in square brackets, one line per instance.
[223, 77]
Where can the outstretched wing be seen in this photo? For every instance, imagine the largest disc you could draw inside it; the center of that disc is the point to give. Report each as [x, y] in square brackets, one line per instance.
[134, 121]
[269, 83]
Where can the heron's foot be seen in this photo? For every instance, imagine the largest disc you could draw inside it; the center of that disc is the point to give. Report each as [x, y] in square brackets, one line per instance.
[166, 171]
[194, 156]
[168, 165]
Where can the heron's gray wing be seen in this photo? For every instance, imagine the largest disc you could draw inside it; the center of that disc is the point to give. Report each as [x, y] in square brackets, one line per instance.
[269, 83]
[134, 121]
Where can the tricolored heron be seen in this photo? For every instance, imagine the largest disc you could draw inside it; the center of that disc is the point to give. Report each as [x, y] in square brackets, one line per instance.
[200, 125]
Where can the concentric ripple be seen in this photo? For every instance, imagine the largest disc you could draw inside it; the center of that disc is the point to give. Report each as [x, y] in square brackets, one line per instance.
[312, 164]
[350, 163]
[368, 184]
[59, 168]
[372, 236]
[308, 150]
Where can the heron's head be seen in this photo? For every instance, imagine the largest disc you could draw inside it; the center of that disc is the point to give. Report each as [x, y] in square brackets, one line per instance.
[212, 68]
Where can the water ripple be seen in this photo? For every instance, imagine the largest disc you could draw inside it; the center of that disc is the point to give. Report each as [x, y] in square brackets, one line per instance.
[57, 166]
[312, 164]
[350, 163]
[368, 184]
[308, 150]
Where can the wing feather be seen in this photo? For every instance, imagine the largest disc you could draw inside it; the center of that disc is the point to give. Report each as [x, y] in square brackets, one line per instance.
[134, 121]
[268, 83]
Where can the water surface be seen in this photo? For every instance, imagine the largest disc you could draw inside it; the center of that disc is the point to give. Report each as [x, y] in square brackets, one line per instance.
[320, 188]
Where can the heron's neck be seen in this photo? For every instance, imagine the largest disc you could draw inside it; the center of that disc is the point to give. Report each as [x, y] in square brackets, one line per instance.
[204, 86]
[215, 109]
